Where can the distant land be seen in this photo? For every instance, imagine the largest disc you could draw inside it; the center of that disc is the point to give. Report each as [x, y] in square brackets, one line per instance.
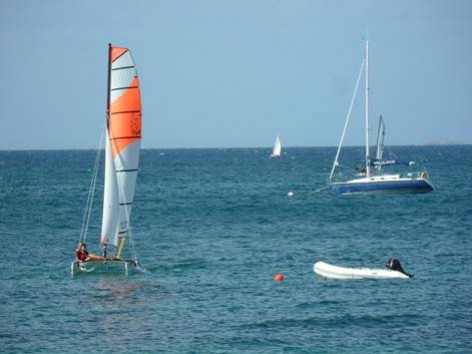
[446, 142]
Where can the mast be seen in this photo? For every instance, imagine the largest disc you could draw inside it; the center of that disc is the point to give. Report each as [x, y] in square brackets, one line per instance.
[367, 152]
[107, 139]
[108, 82]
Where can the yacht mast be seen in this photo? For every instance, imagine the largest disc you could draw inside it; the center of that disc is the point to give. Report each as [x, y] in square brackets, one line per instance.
[367, 152]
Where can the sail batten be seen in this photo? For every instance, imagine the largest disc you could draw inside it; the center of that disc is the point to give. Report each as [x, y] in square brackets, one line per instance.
[124, 88]
[126, 171]
[123, 67]
[128, 111]
[123, 146]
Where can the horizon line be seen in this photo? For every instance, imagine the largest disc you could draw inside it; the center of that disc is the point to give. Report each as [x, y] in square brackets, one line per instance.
[435, 143]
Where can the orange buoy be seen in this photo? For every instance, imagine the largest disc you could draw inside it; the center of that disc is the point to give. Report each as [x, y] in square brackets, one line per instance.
[279, 277]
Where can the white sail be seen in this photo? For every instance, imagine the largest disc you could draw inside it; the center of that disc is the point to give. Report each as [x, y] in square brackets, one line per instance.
[111, 209]
[126, 167]
[380, 143]
[277, 148]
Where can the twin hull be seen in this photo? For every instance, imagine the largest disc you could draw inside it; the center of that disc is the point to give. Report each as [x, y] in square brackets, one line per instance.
[110, 266]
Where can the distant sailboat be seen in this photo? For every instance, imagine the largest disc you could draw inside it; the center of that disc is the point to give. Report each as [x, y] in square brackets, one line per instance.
[122, 148]
[373, 180]
[277, 150]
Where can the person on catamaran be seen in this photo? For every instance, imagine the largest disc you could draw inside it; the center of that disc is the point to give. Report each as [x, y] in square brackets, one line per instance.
[82, 255]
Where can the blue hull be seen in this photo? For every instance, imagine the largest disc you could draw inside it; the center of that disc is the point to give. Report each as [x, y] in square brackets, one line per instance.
[405, 186]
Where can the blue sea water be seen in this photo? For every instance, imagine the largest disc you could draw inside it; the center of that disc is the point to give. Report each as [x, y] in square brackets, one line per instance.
[211, 228]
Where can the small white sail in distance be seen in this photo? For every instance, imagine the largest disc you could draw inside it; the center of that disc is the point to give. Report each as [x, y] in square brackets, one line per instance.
[277, 148]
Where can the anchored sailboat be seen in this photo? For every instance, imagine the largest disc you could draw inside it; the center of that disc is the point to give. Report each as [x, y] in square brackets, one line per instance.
[122, 148]
[277, 148]
[374, 180]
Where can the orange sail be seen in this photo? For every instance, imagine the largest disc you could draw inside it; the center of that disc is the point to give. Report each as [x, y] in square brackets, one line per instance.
[122, 146]
[124, 118]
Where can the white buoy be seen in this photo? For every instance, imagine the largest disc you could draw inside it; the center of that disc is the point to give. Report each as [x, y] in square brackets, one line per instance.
[290, 194]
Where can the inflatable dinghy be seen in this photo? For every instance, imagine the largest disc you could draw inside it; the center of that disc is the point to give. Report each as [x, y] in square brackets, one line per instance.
[394, 271]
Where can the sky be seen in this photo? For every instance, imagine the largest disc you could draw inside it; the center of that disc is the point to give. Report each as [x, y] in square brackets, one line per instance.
[235, 73]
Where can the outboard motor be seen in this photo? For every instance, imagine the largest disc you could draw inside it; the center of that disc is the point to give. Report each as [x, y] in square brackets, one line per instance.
[394, 264]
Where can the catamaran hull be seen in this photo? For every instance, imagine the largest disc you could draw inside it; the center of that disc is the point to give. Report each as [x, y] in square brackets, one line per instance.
[398, 186]
[329, 271]
[101, 267]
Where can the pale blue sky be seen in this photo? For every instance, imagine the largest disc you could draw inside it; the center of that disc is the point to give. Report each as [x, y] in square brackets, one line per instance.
[220, 73]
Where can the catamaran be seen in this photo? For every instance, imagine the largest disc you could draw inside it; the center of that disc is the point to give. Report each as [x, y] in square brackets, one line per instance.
[122, 147]
[373, 179]
[277, 148]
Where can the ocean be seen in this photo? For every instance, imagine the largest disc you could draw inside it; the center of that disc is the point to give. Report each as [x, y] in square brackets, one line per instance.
[211, 228]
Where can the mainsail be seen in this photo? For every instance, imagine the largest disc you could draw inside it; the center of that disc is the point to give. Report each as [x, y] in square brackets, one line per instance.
[277, 148]
[122, 146]
[380, 142]
[379, 160]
